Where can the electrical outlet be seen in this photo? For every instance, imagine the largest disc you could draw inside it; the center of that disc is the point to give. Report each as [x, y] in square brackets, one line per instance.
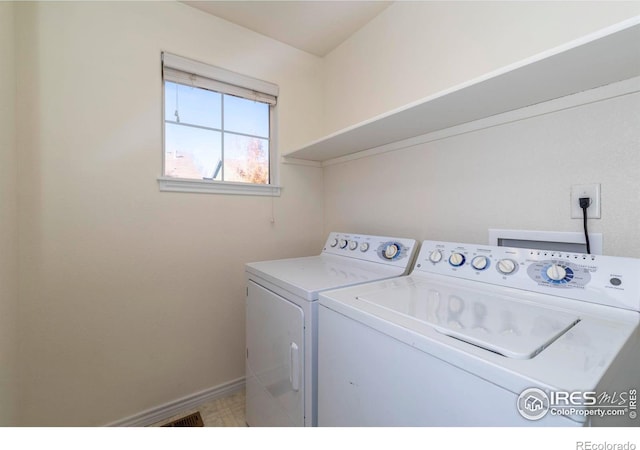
[585, 190]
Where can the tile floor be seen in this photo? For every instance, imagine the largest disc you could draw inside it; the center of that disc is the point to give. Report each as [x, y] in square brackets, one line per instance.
[222, 412]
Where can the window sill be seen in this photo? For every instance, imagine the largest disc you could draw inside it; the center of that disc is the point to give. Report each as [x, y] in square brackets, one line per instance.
[168, 184]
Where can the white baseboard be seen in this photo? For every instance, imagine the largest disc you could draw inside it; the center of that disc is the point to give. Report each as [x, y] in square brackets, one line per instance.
[162, 412]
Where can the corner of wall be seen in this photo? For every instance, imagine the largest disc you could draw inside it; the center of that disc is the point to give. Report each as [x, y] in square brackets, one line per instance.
[9, 375]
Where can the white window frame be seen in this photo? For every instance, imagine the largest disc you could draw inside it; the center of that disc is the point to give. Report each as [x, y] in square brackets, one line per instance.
[247, 87]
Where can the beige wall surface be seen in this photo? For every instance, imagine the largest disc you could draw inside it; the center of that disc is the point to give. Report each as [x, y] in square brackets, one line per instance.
[515, 176]
[415, 49]
[131, 298]
[8, 222]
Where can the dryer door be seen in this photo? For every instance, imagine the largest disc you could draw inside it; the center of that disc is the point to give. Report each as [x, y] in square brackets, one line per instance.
[275, 360]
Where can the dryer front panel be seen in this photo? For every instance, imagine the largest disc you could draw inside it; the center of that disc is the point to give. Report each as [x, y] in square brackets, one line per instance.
[275, 359]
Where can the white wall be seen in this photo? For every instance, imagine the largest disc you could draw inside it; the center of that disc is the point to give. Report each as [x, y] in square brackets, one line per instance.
[515, 176]
[414, 49]
[8, 222]
[131, 298]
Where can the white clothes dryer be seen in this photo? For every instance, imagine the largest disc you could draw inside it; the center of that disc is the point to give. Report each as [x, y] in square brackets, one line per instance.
[484, 336]
[281, 313]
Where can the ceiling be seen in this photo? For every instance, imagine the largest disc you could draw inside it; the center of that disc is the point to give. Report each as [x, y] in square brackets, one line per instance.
[316, 27]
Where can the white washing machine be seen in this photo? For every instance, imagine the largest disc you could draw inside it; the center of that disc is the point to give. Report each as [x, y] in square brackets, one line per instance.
[281, 364]
[484, 336]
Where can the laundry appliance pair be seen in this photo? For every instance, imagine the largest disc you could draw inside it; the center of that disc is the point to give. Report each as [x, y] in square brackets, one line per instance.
[474, 335]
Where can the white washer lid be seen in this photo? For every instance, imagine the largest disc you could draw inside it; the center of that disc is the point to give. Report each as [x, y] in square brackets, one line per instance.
[489, 320]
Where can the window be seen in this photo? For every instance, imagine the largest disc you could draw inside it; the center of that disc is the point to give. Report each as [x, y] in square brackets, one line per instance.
[218, 130]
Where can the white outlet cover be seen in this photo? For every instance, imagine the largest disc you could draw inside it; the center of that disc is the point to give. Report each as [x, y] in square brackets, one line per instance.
[585, 190]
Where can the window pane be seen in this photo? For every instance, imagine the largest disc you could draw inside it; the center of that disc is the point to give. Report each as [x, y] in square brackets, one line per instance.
[195, 106]
[246, 159]
[192, 152]
[246, 116]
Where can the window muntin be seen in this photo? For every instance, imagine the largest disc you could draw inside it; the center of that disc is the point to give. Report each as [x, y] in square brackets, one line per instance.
[215, 136]
[217, 130]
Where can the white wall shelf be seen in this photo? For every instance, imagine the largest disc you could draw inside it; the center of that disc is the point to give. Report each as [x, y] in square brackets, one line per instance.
[598, 59]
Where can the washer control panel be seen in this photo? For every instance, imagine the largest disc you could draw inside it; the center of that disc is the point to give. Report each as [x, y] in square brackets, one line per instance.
[388, 250]
[607, 280]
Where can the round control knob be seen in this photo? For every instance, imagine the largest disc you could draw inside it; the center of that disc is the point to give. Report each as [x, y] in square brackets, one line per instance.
[390, 251]
[435, 256]
[333, 242]
[456, 259]
[480, 262]
[364, 247]
[353, 245]
[506, 266]
[343, 243]
[556, 272]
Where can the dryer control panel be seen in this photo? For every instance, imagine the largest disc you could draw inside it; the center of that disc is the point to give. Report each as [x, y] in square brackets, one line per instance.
[606, 280]
[399, 252]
